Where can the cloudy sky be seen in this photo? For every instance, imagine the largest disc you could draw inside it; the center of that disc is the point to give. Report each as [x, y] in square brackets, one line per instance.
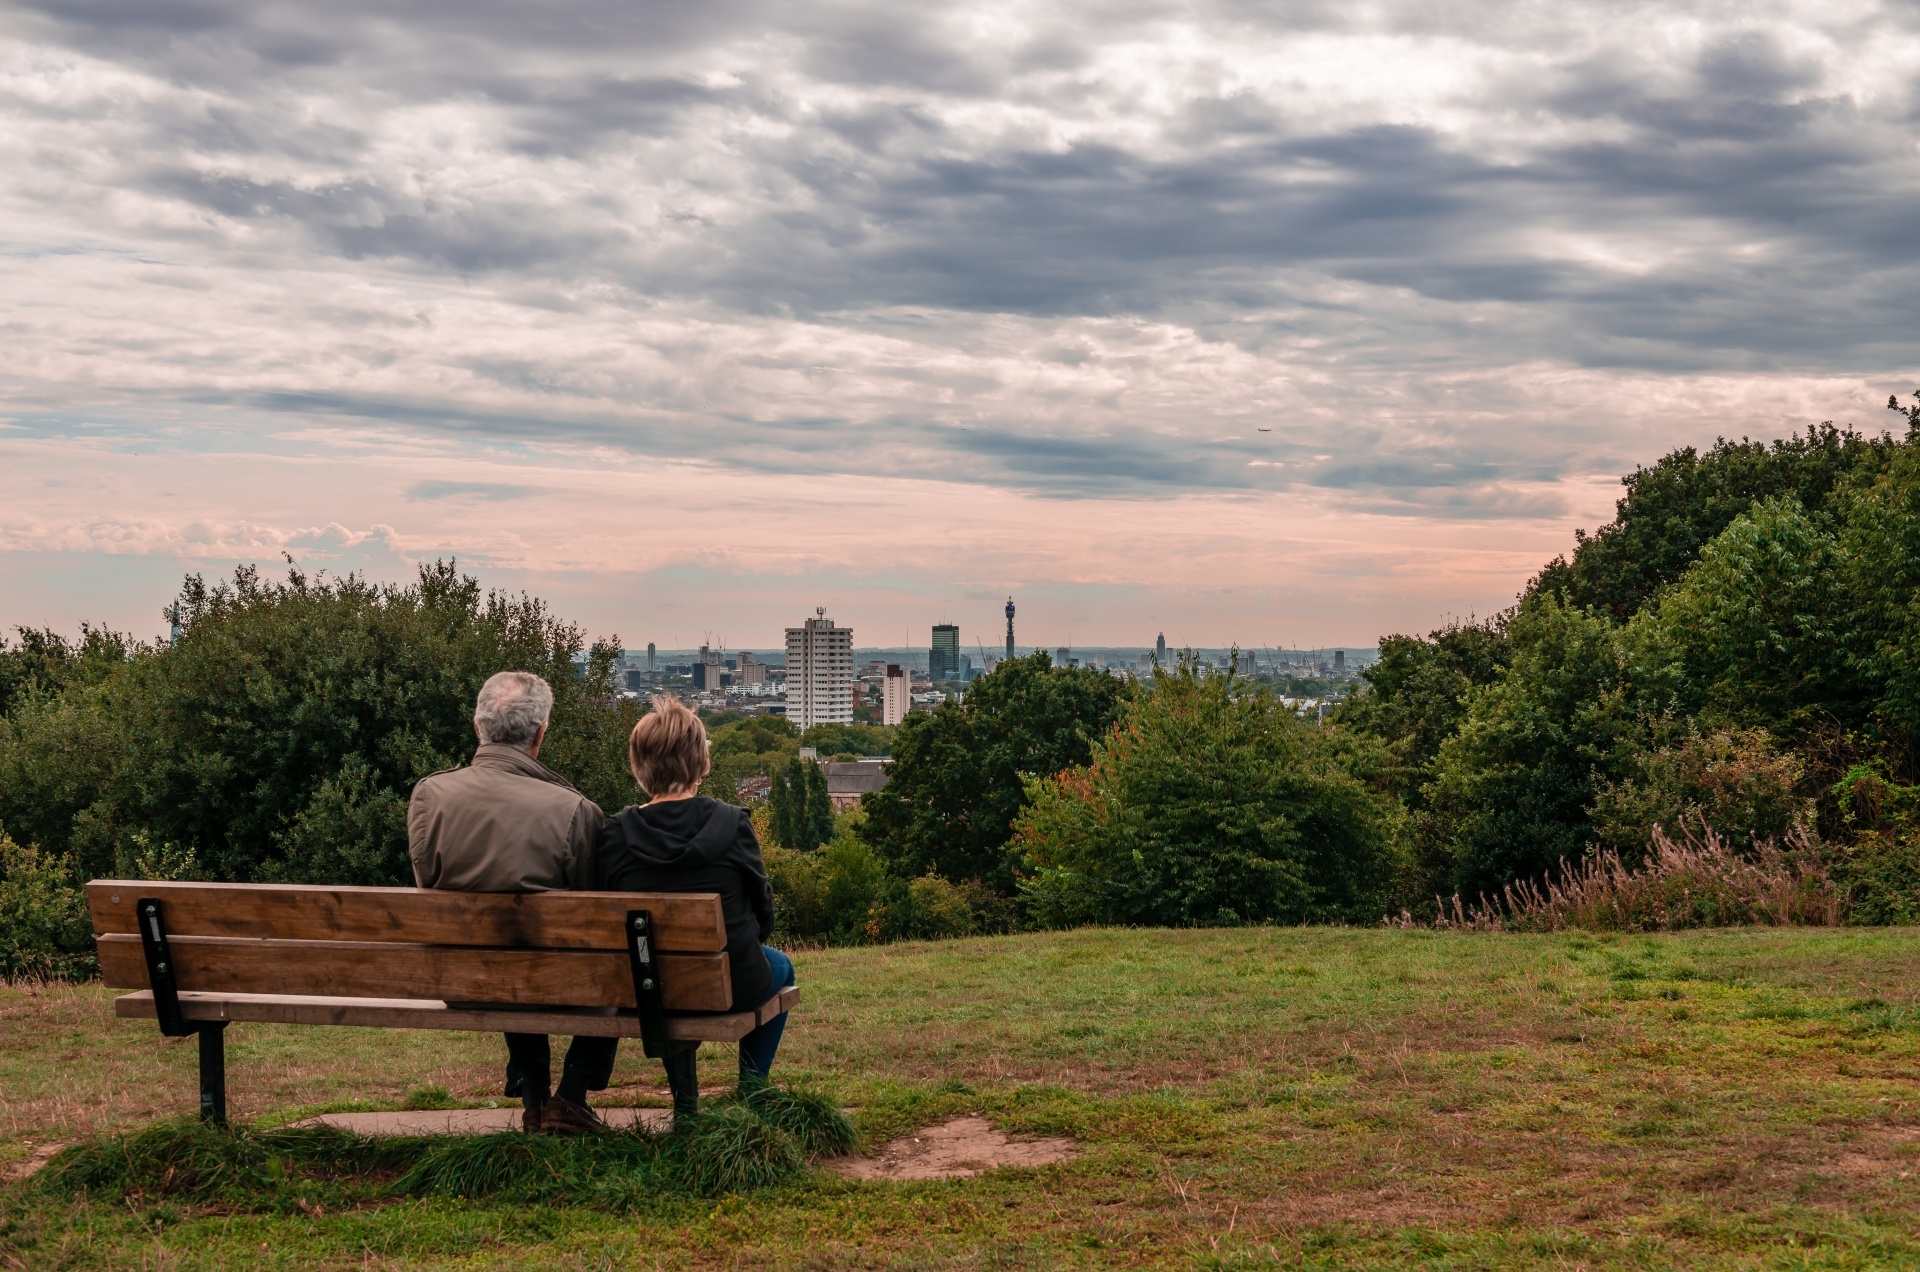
[1279, 323]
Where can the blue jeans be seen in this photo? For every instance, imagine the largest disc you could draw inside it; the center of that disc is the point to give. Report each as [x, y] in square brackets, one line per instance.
[757, 1048]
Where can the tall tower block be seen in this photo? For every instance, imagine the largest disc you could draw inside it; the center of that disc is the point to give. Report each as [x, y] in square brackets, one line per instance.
[1009, 628]
[819, 673]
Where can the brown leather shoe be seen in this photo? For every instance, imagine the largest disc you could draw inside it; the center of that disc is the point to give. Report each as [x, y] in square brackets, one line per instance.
[530, 1120]
[564, 1117]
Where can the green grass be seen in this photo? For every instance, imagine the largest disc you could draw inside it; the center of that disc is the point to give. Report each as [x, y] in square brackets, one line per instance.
[1243, 1098]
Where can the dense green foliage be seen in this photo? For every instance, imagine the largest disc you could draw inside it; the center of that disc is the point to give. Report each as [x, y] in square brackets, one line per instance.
[1212, 803]
[1672, 510]
[959, 775]
[1738, 652]
[1731, 654]
[802, 814]
[280, 736]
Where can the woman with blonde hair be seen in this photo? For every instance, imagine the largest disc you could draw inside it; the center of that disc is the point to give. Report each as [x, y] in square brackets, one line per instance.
[681, 841]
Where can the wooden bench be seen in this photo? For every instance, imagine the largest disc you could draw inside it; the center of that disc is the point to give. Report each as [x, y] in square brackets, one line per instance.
[609, 964]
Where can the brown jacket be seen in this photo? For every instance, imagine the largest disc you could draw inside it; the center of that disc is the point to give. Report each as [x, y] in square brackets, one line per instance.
[504, 823]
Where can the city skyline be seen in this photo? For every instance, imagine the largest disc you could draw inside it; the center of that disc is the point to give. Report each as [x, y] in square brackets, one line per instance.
[1326, 322]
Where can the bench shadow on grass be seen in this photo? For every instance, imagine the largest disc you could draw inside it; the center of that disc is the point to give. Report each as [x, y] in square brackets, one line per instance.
[761, 1137]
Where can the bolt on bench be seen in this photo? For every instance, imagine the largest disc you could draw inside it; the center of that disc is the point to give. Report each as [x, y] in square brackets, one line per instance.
[606, 964]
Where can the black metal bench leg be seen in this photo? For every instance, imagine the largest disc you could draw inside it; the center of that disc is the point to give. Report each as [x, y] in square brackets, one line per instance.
[683, 1077]
[213, 1072]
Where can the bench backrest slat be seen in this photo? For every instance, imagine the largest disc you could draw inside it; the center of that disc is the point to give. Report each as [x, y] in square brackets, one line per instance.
[416, 916]
[457, 973]
[531, 948]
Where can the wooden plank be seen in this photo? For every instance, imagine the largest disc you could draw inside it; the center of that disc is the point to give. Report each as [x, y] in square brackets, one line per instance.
[404, 1013]
[360, 969]
[412, 916]
[782, 1001]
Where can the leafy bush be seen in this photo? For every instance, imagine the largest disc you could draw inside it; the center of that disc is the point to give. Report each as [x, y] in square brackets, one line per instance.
[1685, 500]
[745, 748]
[1209, 803]
[1688, 883]
[45, 932]
[1735, 782]
[280, 736]
[958, 778]
[1512, 788]
[845, 894]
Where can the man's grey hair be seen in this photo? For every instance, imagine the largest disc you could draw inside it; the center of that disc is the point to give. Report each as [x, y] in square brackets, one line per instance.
[512, 707]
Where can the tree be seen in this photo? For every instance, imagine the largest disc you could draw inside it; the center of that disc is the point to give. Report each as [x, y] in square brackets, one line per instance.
[1755, 633]
[1212, 803]
[1511, 788]
[958, 775]
[802, 809]
[1680, 504]
[45, 663]
[849, 739]
[1416, 694]
[746, 748]
[280, 736]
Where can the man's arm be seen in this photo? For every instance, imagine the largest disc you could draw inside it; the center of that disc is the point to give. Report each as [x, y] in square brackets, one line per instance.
[583, 840]
[422, 828]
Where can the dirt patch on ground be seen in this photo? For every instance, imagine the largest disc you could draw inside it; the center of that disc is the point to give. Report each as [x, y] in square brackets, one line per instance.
[30, 1164]
[955, 1150]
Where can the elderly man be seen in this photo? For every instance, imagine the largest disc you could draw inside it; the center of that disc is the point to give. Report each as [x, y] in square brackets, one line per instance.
[507, 823]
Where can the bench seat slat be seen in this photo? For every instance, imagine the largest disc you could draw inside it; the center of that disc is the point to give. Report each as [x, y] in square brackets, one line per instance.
[413, 1013]
[538, 920]
[359, 969]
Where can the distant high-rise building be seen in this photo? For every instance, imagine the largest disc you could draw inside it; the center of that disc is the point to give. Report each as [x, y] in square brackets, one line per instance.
[1009, 627]
[649, 656]
[896, 695]
[710, 673]
[1339, 661]
[750, 672]
[1160, 648]
[819, 673]
[1060, 656]
[943, 659]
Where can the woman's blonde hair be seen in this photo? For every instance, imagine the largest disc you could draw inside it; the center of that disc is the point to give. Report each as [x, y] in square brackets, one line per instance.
[668, 749]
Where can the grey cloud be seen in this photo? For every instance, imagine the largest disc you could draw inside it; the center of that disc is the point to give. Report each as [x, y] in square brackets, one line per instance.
[492, 492]
[829, 162]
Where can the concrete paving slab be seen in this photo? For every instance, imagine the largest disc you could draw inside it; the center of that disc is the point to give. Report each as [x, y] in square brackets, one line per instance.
[470, 1121]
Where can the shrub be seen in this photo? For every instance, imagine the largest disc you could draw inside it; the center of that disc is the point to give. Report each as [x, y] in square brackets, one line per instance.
[45, 932]
[1687, 883]
[280, 736]
[1880, 872]
[1211, 802]
[958, 778]
[1733, 781]
[845, 894]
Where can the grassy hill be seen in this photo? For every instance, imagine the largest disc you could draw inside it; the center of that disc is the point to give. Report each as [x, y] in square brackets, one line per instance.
[1245, 1098]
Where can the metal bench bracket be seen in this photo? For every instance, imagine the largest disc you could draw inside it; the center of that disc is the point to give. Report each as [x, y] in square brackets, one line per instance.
[683, 1076]
[648, 993]
[163, 978]
[160, 969]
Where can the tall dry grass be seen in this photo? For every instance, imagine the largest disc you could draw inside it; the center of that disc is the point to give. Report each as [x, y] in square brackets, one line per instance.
[1692, 882]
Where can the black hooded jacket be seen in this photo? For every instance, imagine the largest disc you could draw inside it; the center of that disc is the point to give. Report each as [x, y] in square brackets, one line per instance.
[698, 845]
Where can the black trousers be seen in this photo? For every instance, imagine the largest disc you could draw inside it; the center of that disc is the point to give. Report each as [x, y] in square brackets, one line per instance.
[530, 1064]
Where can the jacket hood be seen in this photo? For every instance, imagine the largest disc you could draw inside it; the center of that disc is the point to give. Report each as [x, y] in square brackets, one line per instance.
[680, 833]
